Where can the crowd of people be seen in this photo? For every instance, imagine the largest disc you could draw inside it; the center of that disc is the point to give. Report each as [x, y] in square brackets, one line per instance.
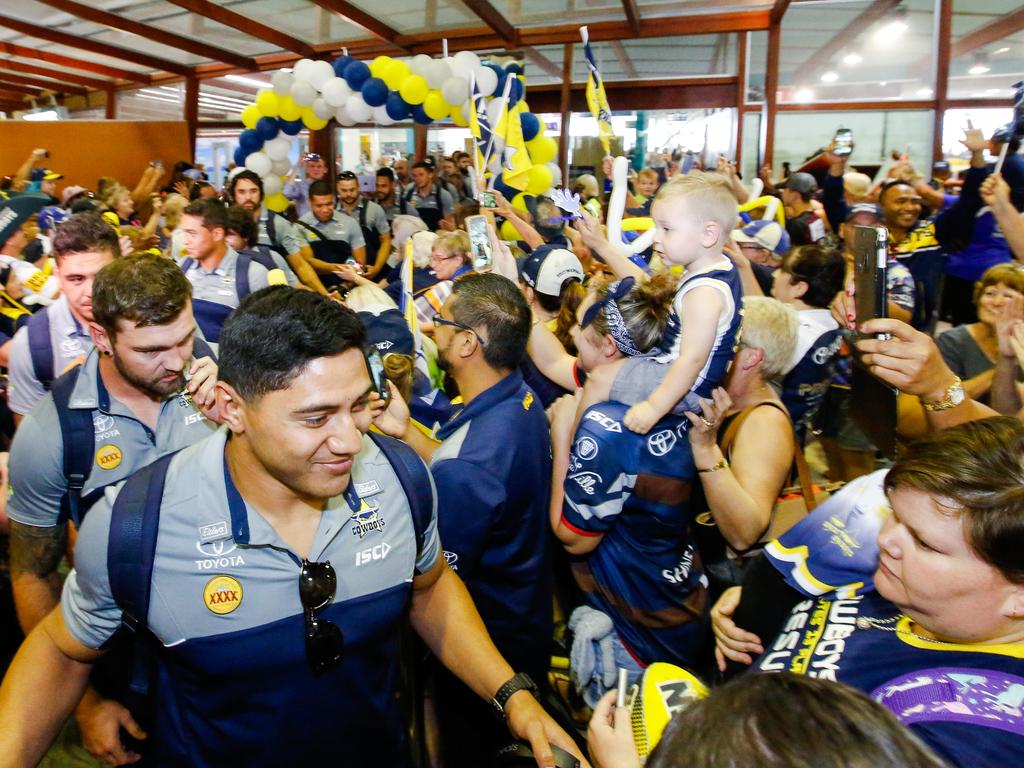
[576, 447]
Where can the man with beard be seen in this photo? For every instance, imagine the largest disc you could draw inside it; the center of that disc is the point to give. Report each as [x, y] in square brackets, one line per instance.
[372, 220]
[389, 195]
[275, 231]
[137, 407]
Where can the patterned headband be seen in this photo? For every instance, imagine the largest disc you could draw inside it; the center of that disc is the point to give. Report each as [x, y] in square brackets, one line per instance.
[616, 325]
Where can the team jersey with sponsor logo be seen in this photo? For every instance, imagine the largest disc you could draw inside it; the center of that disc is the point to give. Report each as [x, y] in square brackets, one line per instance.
[809, 373]
[646, 573]
[121, 445]
[234, 683]
[493, 476]
[964, 701]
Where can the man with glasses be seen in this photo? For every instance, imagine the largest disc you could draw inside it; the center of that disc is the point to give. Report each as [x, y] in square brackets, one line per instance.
[492, 472]
[289, 555]
[372, 221]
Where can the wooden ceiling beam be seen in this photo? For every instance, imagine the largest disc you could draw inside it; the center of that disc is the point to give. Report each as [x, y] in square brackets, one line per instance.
[779, 10]
[147, 32]
[543, 62]
[492, 17]
[360, 18]
[997, 29]
[244, 24]
[632, 15]
[624, 61]
[844, 37]
[13, 89]
[45, 85]
[53, 74]
[93, 46]
[25, 52]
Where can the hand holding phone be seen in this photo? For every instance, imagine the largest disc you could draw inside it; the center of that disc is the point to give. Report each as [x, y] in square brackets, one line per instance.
[842, 143]
[487, 199]
[479, 241]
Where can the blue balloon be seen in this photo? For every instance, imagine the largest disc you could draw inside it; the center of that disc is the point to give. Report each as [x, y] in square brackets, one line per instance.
[420, 116]
[375, 92]
[356, 73]
[250, 141]
[507, 192]
[515, 91]
[267, 128]
[240, 155]
[291, 127]
[515, 68]
[502, 74]
[340, 63]
[531, 125]
[396, 106]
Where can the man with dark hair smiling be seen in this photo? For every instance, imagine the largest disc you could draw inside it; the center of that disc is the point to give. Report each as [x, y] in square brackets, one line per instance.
[273, 658]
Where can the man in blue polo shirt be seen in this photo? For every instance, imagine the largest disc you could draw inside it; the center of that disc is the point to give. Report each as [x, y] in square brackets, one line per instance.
[290, 552]
[492, 471]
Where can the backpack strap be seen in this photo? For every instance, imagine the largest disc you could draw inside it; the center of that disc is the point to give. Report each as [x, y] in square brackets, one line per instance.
[131, 544]
[362, 214]
[187, 264]
[77, 436]
[415, 480]
[242, 275]
[320, 235]
[40, 347]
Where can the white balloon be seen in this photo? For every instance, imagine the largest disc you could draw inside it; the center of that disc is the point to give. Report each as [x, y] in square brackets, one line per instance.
[272, 185]
[282, 82]
[494, 109]
[556, 174]
[358, 110]
[277, 148]
[303, 93]
[486, 80]
[258, 163]
[465, 62]
[301, 69]
[281, 167]
[467, 109]
[381, 116]
[494, 165]
[322, 109]
[335, 92]
[455, 90]
[438, 73]
[419, 64]
[320, 73]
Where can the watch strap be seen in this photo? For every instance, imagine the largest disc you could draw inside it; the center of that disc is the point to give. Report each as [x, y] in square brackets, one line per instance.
[950, 399]
[517, 682]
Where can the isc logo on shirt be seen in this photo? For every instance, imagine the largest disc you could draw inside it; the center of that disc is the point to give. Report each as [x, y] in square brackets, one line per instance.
[377, 552]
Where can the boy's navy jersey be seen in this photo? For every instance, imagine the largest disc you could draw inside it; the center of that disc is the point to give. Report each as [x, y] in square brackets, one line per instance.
[964, 701]
[646, 573]
[809, 374]
[723, 277]
[493, 477]
[234, 685]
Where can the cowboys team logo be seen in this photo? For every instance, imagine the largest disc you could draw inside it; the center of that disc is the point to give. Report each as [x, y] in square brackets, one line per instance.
[662, 442]
[367, 519]
[222, 594]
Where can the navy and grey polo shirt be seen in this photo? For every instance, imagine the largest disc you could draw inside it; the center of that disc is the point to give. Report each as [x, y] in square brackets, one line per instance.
[235, 687]
[215, 291]
[809, 372]
[121, 445]
[493, 476]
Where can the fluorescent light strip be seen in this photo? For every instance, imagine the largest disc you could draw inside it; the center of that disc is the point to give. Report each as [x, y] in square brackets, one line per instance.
[156, 98]
[233, 99]
[248, 81]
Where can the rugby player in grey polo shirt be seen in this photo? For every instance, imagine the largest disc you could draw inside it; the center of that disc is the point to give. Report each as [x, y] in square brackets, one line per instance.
[292, 487]
[377, 230]
[245, 188]
[324, 228]
[133, 384]
[82, 246]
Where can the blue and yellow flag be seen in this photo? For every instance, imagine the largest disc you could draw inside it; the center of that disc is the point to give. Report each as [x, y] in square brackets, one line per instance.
[596, 98]
[480, 127]
[516, 162]
[408, 304]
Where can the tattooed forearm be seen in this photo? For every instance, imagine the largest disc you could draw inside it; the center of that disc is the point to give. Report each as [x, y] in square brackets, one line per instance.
[36, 551]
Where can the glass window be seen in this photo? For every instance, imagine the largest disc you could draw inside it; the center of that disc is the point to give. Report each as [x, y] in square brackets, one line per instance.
[849, 51]
[757, 64]
[984, 61]
[751, 157]
[157, 102]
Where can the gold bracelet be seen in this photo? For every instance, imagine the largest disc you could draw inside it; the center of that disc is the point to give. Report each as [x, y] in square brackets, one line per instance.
[720, 464]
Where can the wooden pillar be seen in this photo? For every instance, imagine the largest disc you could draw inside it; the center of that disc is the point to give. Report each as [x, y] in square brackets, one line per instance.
[420, 132]
[741, 94]
[324, 143]
[564, 105]
[943, 41]
[192, 111]
[771, 86]
[111, 112]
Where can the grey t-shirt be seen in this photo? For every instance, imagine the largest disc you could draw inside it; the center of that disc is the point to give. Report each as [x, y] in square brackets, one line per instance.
[962, 354]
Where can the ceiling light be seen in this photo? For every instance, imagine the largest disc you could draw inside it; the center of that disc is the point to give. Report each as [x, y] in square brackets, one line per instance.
[248, 81]
[829, 77]
[852, 58]
[894, 27]
[979, 65]
[803, 95]
[883, 83]
[924, 92]
[1004, 49]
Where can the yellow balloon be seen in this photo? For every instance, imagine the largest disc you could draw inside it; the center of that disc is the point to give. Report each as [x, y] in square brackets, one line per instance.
[524, 107]
[519, 202]
[311, 121]
[539, 180]
[508, 232]
[763, 202]
[457, 117]
[250, 115]
[637, 224]
[414, 89]
[268, 103]
[395, 72]
[277, 203]
[435, 106]
[543, 149]
[378, 65]
[289, 110]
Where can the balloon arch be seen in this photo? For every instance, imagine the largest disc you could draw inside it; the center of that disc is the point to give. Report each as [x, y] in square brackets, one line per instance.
[384, 92]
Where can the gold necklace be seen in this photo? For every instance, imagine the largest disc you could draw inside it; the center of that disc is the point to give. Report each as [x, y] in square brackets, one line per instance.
[889, 625]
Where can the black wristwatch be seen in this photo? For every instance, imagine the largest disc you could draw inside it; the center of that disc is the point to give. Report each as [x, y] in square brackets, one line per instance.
[517, 682]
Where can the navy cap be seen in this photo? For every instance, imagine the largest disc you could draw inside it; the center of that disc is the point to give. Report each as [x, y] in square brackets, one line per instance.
[387, 332]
